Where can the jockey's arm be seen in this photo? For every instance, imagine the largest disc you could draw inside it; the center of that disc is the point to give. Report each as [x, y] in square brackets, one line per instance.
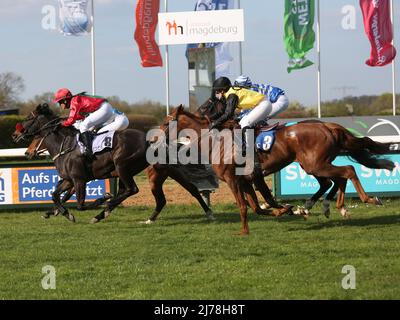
[232, 103]
[73, 116]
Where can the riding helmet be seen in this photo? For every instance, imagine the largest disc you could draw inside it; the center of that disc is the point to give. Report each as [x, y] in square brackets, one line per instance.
[222, 83]
[61, 94]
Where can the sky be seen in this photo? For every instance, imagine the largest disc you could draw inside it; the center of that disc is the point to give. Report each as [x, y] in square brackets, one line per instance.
[48, 60]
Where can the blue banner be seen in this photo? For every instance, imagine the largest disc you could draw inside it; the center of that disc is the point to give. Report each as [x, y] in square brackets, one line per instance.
[38, 185]
[295, 181]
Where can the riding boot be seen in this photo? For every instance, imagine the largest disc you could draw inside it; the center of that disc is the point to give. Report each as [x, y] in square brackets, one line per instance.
[244, 141]
[86, 138]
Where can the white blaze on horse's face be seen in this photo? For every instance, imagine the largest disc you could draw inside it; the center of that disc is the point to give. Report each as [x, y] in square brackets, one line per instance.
[219, 95]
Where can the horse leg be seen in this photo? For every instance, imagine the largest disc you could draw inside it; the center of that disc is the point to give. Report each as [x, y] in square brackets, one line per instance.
[191, 188]
[342, 183]
[265, 192]
[156, 180]
[329, 197]
[61, 187]
[129, 188]
[362, 194]
[341, 174]
[324, 185]
[252, 200]
[102, 215]
[234, 185]
[80, 190]
[64, 199]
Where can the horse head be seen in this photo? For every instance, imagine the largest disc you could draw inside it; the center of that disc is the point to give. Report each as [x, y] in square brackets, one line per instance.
[35, 148]
[37, 121]
[211, 108]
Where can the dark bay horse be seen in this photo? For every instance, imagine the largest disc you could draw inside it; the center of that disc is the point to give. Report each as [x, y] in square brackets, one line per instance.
[314, 145]
[129, 145]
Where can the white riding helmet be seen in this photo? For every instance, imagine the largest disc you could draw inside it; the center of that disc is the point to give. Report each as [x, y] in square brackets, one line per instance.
[243, 81]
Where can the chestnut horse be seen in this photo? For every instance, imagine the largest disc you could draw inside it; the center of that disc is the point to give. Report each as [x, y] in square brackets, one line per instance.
[212, 107]
[314, 145]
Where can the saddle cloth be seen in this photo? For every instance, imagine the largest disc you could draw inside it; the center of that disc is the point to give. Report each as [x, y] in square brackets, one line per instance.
[100, 142]
[266, 135]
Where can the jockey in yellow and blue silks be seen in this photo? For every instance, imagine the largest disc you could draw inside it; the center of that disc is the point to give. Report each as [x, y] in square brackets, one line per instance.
[242, 97]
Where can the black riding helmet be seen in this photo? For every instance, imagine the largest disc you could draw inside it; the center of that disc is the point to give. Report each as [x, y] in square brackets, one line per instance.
[222, 83]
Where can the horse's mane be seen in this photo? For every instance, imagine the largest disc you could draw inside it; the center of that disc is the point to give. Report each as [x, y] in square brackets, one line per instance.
[44, 109]
[190, 115]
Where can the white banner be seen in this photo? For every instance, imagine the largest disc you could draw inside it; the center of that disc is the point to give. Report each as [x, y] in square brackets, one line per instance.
[74, 17]
[201, 27]
[6, 188]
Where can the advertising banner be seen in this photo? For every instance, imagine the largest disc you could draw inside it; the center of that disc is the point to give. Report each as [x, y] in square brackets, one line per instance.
[36, 185]
[299, 33]
[6, 196]
[146, 24]
[74, 16]
[294, 182]
[223, 57]
[201, 27]
[379, 29]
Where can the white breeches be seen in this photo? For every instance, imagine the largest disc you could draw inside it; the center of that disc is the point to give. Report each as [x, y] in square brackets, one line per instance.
[106, 118]
[263, 110]
[120, 122]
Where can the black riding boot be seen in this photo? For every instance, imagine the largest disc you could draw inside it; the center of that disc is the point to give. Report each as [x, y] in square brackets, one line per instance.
[244, 141]
[86, 138]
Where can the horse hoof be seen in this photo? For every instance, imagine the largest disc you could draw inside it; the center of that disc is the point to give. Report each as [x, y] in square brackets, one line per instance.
[56, 212]
[344, 213]
[94, 221]
[210, 216]
[107, 214]
[305, 216]
[378, 202]
[71, 218]
[148, 221]
[107, 196]
[264, 206]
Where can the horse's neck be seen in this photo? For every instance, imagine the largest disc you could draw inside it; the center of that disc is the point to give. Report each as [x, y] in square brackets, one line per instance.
[56, 141]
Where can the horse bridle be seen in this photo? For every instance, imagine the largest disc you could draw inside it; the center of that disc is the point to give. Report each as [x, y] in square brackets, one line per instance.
[50, 124]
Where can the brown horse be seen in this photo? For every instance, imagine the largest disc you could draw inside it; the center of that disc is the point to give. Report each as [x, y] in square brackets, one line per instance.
[313, 145]
[157, 174]
[212, 107]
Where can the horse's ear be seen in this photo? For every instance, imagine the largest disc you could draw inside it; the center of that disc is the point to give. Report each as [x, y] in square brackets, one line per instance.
[180, 108]
[43, 109]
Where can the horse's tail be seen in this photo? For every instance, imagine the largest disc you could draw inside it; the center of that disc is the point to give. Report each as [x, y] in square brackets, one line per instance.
[364, 150]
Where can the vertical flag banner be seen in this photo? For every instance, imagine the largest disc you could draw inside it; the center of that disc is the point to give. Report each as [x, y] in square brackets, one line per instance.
[223, 57]
[75, 20]
[378, 27]
[146, 24]
[299, 32]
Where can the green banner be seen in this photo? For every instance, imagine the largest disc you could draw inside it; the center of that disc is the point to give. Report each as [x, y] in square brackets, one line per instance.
[299, 33]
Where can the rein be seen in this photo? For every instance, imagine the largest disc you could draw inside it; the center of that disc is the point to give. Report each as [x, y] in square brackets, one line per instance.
[63, 152]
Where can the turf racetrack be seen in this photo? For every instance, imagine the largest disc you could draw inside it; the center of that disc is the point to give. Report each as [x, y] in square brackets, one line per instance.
[185, 257]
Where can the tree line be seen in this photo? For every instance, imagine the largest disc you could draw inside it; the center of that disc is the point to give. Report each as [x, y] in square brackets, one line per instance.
[12, 85]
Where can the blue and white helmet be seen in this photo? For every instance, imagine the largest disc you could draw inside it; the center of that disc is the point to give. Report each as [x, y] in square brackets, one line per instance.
[243, 81]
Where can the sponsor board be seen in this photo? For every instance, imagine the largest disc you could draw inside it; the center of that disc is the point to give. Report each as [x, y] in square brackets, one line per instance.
[36, 185]
[294, 182]
[201, 26]
[6, 196]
